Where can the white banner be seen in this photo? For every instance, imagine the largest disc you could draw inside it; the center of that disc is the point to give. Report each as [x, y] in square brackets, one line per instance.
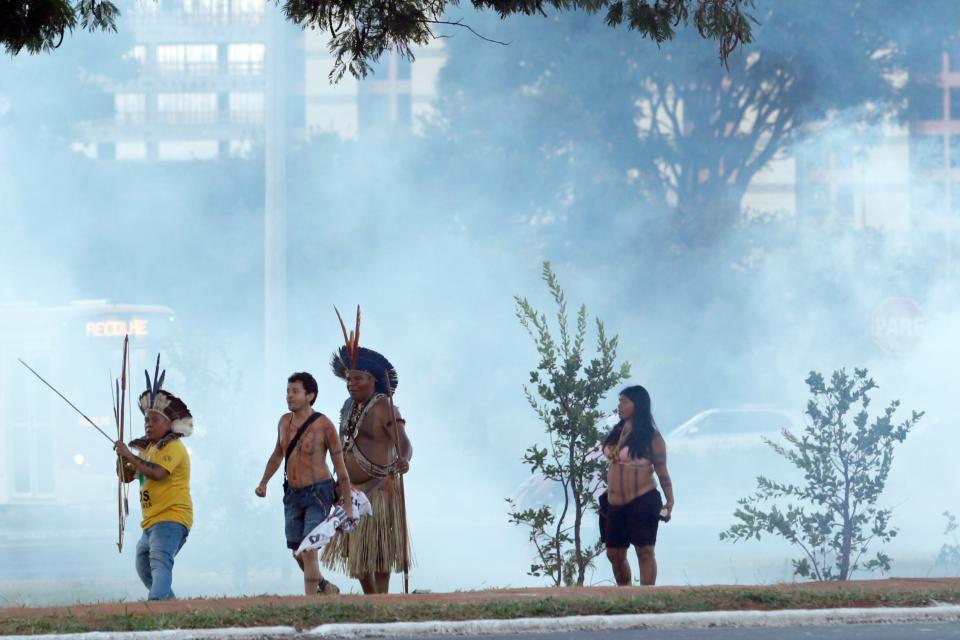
[337, 521]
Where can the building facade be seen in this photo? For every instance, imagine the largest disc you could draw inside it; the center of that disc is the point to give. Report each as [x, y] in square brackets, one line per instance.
[200, 89]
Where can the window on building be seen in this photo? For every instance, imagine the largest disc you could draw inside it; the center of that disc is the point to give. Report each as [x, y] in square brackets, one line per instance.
[246, 107]
[171, 58]
[246, 58]
[146, 8]
[201, 59]
[247, 11]
[207, 11]
[187, 108]
[425, 72]
[189, 59]
[131, 108]
[137, 53]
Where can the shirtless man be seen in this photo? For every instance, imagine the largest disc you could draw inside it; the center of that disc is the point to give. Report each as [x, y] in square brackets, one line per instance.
[308, 488]
[632, 508]
[368, 431]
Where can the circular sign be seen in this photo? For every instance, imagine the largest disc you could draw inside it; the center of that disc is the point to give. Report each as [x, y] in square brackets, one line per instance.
[898, 325]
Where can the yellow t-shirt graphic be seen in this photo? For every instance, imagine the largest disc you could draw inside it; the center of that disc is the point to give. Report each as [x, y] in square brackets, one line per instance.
[167, 500]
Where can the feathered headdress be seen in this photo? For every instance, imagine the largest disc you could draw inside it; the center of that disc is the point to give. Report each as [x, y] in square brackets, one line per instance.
[353, 357]
[165, 403]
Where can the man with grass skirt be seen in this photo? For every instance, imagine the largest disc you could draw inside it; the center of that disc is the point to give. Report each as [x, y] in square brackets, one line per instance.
[369, 428]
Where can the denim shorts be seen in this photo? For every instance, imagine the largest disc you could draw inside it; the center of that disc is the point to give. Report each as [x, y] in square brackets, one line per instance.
[304, 508]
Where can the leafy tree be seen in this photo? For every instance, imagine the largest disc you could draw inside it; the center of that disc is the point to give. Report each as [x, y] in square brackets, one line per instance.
[360, 31]
[682, 137]
[569, 393]
[39, 25]
[845, 460]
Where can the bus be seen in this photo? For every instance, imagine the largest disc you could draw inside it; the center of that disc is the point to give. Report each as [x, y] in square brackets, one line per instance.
[55, 468]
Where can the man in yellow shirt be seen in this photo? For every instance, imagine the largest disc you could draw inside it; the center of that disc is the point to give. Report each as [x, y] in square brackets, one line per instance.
[163, 468]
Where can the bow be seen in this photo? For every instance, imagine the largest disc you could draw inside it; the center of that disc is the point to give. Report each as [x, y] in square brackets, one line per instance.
[72, 406]
[403, 498]
[119, 391]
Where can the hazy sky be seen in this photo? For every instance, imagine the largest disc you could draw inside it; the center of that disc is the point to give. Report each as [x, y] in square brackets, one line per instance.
[436, 276]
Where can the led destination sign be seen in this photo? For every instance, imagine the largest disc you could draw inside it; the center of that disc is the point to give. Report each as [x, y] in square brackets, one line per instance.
[118, 328]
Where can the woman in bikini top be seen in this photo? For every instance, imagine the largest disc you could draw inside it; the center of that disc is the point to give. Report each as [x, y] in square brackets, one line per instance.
[630, 510]
[628, 478]
[630, 475]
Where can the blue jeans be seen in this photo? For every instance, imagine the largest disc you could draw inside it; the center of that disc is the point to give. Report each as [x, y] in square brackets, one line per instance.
[155, 552]
[304, 508]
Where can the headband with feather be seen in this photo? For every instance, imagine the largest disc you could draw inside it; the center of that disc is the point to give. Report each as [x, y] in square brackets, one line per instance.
[352, 357]
[351, 341]
[157, 399]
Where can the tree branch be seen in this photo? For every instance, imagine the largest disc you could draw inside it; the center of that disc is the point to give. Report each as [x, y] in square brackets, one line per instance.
[460, 23]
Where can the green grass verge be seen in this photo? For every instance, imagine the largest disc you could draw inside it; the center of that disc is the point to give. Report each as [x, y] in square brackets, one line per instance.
[304, 616]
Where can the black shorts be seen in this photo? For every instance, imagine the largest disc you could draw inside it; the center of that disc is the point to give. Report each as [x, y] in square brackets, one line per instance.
[633, 523]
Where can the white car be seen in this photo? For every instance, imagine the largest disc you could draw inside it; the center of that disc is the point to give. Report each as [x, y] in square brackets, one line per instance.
[737, 425]
[715, 457]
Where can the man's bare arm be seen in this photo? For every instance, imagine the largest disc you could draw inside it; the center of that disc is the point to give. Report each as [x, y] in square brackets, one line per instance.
[149, 469]
[334, 448]
[273, 463]
[406, 447]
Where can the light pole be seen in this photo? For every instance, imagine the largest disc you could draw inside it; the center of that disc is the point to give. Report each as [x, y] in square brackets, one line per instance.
[275, 205]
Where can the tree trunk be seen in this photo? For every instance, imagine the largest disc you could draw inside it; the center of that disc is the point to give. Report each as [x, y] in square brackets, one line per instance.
[577, 488]
[705, 210]
[577, 542]
[558, 581]
[847, 528]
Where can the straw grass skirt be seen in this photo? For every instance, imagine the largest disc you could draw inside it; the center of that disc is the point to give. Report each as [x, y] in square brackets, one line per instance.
[375, 546]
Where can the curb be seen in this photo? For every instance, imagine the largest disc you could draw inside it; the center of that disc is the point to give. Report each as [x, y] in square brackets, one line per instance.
[168, 634]
[697, 620]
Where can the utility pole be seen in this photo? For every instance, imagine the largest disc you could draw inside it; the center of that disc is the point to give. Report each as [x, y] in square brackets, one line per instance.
[275, 206]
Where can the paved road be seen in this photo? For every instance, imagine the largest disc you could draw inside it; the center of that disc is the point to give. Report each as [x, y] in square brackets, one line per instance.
[905, 631]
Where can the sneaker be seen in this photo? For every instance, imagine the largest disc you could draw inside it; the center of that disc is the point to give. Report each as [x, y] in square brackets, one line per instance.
[327, 588]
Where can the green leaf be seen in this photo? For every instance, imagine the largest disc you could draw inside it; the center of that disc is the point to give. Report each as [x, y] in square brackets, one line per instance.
[845, 464]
